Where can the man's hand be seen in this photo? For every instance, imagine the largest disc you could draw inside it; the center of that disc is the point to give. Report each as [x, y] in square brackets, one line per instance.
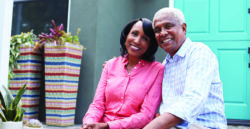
[103, 65]
[95, 126]
[105, 62]
[165, 121]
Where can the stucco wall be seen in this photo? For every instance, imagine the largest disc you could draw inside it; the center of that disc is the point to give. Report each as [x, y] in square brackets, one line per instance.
[147, 8]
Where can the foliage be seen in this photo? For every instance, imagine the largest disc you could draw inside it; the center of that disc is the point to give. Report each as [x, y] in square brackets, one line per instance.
[11, 109]
[58, 36]
[15, 43]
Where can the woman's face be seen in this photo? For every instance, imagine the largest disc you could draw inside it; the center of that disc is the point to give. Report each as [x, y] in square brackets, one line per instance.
[137, 42]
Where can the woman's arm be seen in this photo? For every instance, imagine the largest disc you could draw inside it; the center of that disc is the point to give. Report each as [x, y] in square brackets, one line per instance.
[97, 107]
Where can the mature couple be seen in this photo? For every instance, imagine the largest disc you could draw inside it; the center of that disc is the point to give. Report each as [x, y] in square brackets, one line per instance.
[133, 85]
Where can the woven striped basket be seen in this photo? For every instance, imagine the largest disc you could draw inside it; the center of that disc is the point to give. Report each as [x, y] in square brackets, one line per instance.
[62, 70]
[30, 62]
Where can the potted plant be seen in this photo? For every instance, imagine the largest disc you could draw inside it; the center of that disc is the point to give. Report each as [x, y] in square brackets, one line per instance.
[63, 54]
[11, 111]
[25, 65]
[24, 39]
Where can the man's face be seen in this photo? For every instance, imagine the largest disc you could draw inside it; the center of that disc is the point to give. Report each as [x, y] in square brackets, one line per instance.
[169, 34]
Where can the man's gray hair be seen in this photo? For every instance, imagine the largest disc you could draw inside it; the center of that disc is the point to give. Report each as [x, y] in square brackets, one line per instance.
[172, 11]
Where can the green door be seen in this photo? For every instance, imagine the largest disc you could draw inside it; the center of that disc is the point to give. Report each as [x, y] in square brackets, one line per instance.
[224, 25]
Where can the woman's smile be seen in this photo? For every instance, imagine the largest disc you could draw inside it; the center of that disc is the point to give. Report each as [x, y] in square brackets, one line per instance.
[134, 48]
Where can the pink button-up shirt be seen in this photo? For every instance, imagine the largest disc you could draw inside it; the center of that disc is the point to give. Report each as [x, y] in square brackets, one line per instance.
[127, 100]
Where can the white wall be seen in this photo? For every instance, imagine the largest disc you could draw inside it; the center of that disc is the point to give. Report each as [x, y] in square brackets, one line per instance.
[6, 8]
[171, 3]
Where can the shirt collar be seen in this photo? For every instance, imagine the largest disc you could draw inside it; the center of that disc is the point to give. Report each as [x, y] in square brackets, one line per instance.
[184, 48]
[181, 52]
[125, 61]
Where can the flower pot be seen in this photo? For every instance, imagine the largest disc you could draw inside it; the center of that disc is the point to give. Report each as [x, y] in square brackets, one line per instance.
[12, 125]
[62, 71]
[30, 62]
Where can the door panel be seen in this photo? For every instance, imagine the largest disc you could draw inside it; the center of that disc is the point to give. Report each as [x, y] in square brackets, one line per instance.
[197, 15]
[234, 72]
[224, 25]
[193, 13]
[232, 19]
[216, 19]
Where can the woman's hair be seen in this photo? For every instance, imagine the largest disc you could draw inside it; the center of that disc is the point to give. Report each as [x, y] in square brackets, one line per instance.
[149, 55]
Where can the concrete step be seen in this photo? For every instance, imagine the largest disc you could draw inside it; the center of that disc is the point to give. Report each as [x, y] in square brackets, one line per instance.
[78, 126]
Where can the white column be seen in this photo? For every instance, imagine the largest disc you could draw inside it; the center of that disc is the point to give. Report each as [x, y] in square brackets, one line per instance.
[69, 8]
[171, 3]
[6, 9]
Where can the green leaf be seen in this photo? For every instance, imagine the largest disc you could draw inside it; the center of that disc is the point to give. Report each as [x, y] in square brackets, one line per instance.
[10, 114]
[12, 51]
[14, 112]
[16, 118]
[19, 40]
[9, 98]
[11, 60]
[2, 100]
[17, 54]
[17, 49]
[20, 114]
[2, 117]
[18, 97]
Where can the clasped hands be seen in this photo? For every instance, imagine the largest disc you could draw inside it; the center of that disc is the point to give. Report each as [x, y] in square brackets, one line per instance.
[95, 125]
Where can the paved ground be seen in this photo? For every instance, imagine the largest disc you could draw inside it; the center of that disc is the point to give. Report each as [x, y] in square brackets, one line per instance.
[69, 127]
[238, 127]
[78, 126]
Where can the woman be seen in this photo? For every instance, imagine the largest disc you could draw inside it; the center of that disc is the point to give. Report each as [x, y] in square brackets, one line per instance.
[129, 91]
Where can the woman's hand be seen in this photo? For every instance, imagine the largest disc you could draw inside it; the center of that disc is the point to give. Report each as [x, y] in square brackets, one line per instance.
[95, 126]
[85, 126]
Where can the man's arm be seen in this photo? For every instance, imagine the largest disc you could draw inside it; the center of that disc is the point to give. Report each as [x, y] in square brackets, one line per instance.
[164, 121]
[198, 79]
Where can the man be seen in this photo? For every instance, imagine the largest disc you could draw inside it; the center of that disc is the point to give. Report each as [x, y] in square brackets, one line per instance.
[192, 95]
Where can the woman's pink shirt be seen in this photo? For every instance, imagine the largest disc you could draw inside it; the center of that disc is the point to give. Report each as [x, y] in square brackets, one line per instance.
[126, 100]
